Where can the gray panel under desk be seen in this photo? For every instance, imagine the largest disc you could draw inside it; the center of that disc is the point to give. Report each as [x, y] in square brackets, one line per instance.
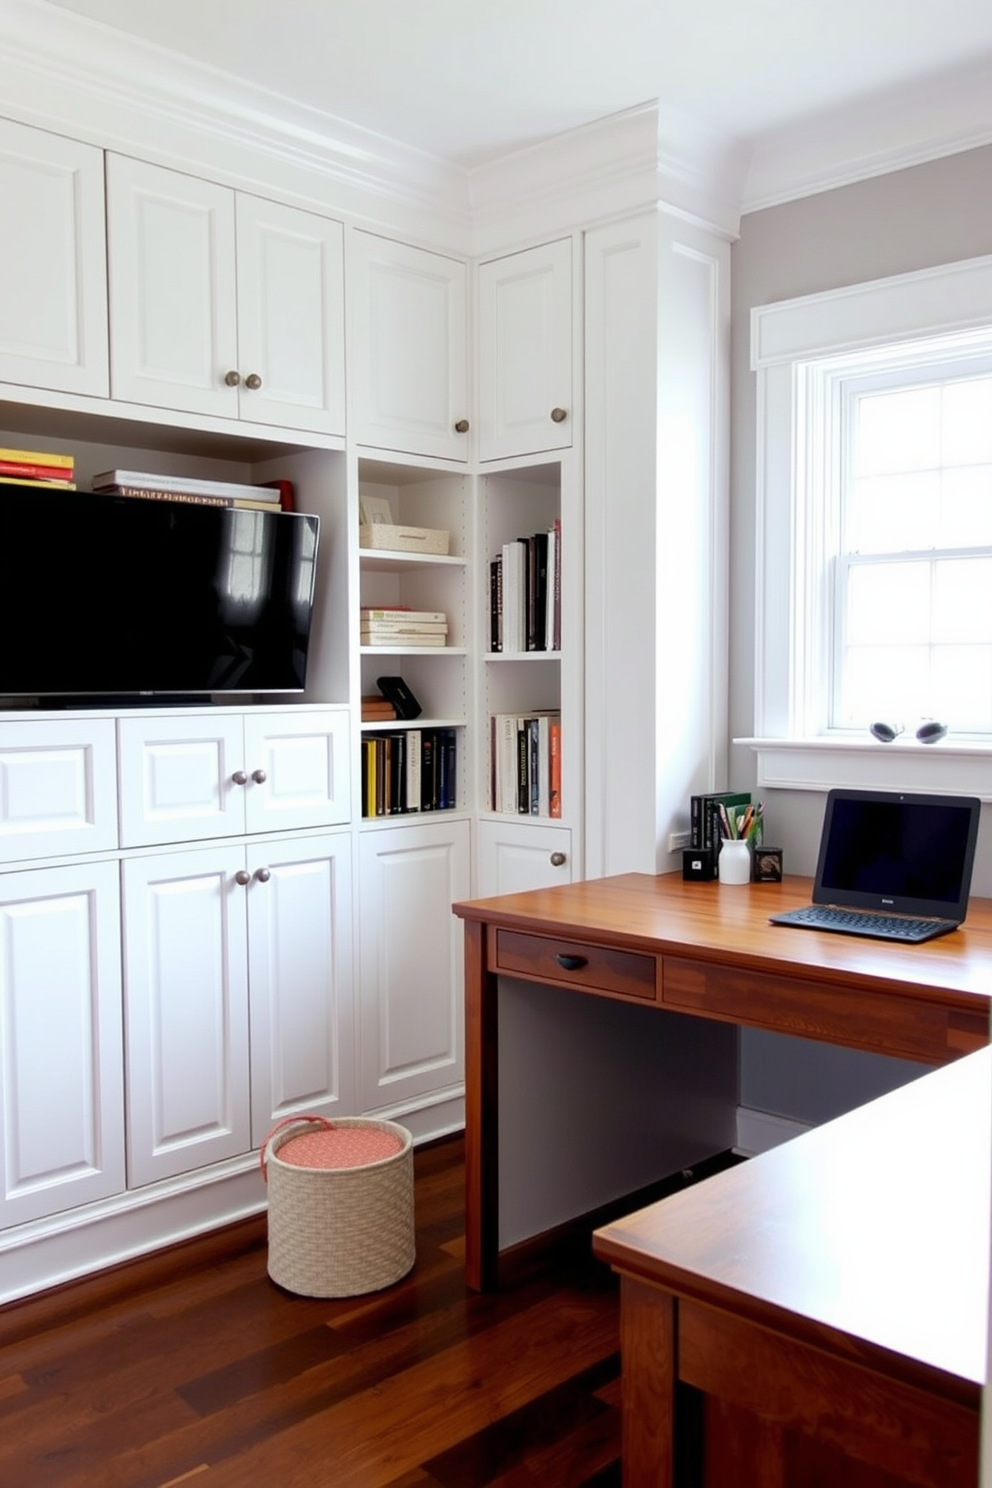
[599, 1098]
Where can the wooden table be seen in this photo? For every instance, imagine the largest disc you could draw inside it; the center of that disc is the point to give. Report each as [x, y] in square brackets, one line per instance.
[829, 1297]
[706, 952]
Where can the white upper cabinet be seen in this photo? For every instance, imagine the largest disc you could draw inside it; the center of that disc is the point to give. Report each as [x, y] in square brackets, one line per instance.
[408, 349]
[221, 303]
[525, 352]
[58, 787]
[53, 277]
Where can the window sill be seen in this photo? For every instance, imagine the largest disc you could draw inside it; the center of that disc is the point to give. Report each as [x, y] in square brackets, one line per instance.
[819, 764]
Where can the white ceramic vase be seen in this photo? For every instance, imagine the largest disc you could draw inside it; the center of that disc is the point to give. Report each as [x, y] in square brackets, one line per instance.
[733, 866]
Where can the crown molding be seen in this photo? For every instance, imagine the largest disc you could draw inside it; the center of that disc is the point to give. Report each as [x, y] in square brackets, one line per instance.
[904, 127]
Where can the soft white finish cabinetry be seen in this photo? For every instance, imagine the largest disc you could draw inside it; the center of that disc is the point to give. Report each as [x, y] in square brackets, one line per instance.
[412, 975]
[61, 1096]
[223, 303]
[58, 787]
[515, 856]
[408, 348]
[53, 267]
[525, 352]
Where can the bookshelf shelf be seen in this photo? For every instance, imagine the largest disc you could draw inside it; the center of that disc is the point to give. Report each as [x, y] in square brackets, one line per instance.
[413, 651]
[394, 725]
[505, 656]
[377, 560]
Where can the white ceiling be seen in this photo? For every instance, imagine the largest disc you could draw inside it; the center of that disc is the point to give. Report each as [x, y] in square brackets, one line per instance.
[469, 82]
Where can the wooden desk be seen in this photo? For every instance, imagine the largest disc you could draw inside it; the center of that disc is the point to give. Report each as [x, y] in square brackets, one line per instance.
[706, 951]
[829, 1297]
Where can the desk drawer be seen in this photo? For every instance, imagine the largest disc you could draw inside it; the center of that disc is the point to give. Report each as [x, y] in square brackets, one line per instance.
[569, 963]
[891, 1022]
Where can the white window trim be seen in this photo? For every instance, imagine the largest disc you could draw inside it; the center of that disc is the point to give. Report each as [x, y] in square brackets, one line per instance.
[946, 301]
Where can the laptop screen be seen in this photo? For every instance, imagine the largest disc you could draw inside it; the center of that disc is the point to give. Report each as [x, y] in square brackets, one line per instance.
[897, 851]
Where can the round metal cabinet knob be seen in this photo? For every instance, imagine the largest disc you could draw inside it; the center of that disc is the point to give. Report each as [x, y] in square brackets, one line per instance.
[557, 858]
[559, 415]
[232, 378]
[462, 426]
[239, 777]
[242, 878]
[263, 875]
[253, 381]
[259, 777]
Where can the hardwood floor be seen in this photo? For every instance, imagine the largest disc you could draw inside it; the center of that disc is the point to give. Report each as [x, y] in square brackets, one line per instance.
[192, 1367]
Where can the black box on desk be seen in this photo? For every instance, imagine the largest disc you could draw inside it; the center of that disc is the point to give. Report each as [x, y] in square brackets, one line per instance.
[699, 863]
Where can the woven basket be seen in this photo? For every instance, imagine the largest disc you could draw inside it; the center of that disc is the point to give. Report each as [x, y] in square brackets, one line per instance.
[338, 1231]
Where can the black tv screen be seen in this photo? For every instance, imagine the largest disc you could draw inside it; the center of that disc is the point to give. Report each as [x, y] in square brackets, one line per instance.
[118, 597]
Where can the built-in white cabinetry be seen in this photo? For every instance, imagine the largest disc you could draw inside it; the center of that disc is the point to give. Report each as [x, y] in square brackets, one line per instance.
[515, 856]
[223, 303]
[411, 966]
[53, 265]
[408, 348]
[215, 773]
[58, 787]
[525, 373]
[61, 1088]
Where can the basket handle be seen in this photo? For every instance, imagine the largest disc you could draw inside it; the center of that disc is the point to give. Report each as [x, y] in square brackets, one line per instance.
[280, 1125]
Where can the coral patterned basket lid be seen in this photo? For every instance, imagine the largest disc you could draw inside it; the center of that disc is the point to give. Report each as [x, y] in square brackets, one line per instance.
[332, 1147]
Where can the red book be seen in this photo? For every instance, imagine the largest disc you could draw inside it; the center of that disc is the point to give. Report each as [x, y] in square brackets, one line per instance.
[554, 751]
[35, 472]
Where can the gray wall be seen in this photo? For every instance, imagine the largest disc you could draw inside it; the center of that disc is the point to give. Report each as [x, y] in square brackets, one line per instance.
[911, 219]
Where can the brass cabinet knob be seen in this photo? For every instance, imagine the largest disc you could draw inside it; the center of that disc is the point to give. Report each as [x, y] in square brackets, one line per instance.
[559, 415]
[462, 426]
[242, 878]
[253, 381]
[232, 378]
[239, 777]
[259, 777]
[263, 875]
[557, 859]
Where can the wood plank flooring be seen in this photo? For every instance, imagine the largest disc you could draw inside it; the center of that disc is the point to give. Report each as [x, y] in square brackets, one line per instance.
[192, 1367]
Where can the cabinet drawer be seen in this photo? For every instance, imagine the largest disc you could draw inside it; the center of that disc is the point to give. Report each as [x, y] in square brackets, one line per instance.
[569, 963]
[58, 788]
[852, 1016]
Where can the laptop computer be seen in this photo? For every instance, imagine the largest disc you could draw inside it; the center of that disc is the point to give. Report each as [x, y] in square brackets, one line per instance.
[892, 865]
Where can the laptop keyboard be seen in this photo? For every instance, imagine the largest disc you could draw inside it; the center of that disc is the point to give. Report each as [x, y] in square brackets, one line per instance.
[861, 922]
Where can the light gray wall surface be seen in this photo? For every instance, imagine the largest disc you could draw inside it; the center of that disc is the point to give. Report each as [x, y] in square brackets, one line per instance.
[911, 219]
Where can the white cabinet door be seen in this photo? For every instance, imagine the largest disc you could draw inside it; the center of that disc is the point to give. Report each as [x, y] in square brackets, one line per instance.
[408, 348]
[300, 958]
[412, 974]
[61, 1074]
[298, 770]
[53, 266]
[58, 788]
[516, 856]
[181, 777]
[525, 352]
[290, 317]
[173, 301]
[186, 1002]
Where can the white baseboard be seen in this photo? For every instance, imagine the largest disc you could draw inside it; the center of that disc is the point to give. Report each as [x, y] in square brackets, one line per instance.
[759, 1131]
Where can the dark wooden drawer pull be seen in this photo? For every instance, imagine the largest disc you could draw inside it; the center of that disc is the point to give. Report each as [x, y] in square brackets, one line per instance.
[571, 963]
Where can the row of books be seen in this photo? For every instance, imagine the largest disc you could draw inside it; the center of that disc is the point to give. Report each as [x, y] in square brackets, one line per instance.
[525, 763]
[150, 487]
[411, 770]
[401, 626]
[525, 593]
[705, 815]
[37, 468]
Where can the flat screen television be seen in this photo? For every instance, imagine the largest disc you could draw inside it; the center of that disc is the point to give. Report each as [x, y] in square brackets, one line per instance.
[121, 598]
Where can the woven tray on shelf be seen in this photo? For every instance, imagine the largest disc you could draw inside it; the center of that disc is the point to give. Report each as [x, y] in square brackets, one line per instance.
[341, 1215]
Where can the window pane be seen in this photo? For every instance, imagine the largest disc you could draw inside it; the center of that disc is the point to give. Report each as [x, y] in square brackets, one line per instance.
[888, 513]
[881, 682]
[898, 431]
[888, 603]
[966, 508]
[967, 431]
[962, 693]
[962, 600]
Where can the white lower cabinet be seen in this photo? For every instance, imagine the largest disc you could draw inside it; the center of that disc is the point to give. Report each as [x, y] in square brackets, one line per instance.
[61, 1083]
[515, 856]
[411, 963]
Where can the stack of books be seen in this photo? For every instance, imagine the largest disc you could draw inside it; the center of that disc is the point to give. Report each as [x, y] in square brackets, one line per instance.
[140, 483]
[400, 626]
[705, 813]
[37, 468]
[411, 770]
[525, 763]
[525, 593]
[376, 709]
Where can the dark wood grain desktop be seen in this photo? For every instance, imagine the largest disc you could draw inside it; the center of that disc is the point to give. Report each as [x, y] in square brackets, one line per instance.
[830, 1298]
[706, 951]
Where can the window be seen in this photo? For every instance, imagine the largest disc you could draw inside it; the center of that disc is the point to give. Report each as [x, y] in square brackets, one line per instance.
[874, 521]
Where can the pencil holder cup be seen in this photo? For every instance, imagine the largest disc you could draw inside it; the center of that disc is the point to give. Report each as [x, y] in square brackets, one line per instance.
[733, 866]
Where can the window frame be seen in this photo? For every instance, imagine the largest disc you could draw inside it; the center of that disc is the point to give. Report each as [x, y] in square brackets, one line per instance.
[802, 352]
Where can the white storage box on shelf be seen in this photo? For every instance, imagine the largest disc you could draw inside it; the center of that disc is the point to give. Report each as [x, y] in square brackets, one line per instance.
[341, 1211]
[392, 537]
